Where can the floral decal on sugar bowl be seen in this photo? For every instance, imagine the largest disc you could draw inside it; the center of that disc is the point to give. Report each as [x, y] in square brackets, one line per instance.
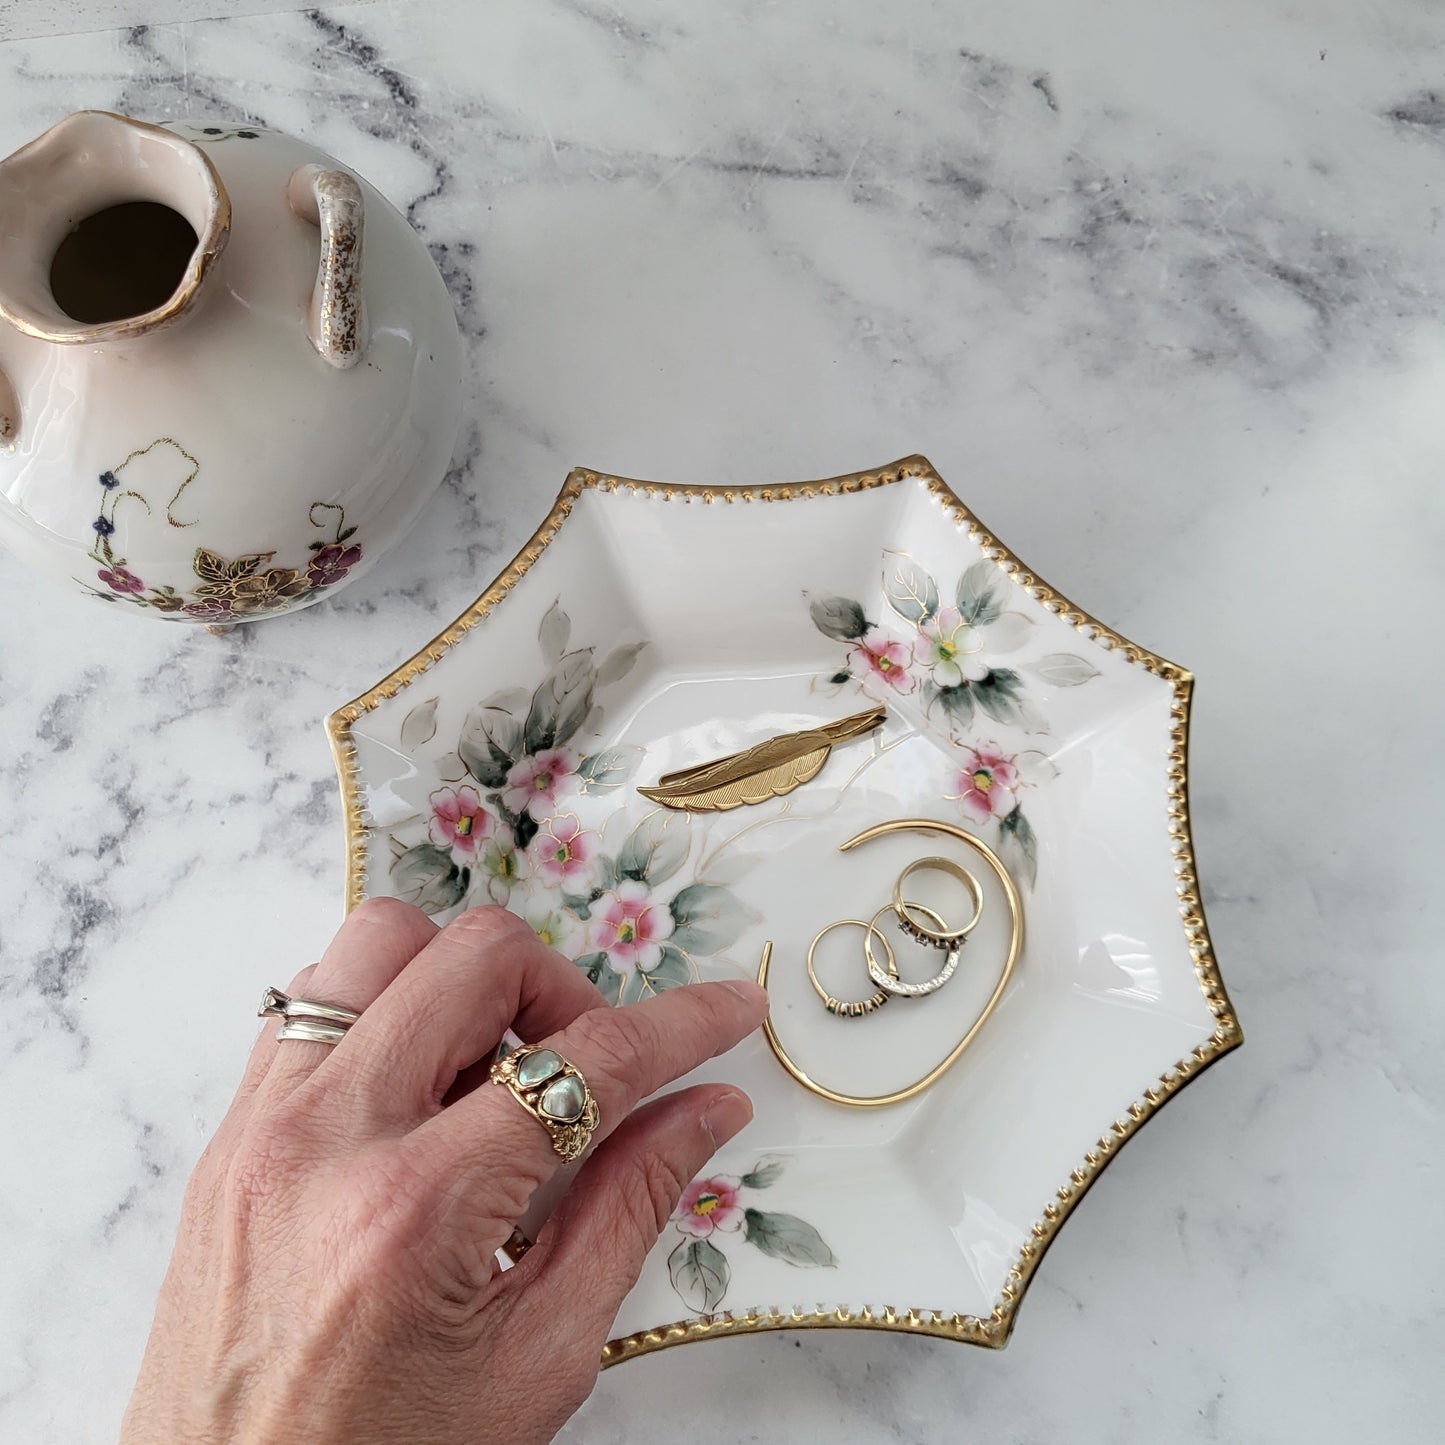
[227, 589]
[530, 812]
[943, 655]
[714, 1209]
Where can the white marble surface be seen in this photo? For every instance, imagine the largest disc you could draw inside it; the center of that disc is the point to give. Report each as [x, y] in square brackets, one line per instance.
[1159, 288]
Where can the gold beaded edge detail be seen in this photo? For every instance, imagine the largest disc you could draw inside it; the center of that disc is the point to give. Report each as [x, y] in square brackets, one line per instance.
[994, 1331]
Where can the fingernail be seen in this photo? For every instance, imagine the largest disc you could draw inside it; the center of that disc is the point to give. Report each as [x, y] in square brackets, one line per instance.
[750, 992]
[726, 1116]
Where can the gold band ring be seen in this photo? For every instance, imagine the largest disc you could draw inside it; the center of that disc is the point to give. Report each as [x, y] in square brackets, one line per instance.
[941, 937]
[850, 1009]
[554, 1093]
[516, 1246]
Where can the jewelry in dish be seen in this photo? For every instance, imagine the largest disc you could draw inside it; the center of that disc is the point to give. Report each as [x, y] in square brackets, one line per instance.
[1015, 946]
[769, 769]
[890, 982]
[844, 1008]
[940, 936]
[499, 764]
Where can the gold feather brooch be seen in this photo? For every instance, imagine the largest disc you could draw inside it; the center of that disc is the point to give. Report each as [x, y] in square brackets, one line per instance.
[769, 769]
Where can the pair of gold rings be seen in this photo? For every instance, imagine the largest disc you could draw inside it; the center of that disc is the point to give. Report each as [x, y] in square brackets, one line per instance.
[923, 924]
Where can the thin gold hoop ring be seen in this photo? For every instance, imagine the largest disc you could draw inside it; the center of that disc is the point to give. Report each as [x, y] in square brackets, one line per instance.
[852, 1008]
[1015, 947]
[890, 982]
[947, 938]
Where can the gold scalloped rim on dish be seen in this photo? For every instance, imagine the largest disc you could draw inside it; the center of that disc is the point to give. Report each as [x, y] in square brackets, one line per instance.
[993, 1331]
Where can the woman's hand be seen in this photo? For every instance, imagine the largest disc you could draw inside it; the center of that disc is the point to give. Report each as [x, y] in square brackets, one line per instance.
[335, 1277]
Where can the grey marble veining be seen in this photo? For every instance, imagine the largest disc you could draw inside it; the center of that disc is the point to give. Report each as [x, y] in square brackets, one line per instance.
[1159, 292]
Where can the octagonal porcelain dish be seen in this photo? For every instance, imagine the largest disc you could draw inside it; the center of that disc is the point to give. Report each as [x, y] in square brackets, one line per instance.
[648, 627]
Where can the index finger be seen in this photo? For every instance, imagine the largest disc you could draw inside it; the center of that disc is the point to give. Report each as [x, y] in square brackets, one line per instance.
[502, 1153]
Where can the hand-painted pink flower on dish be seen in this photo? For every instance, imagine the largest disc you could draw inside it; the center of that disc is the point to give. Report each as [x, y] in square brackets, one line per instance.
[987, 783]
[951, 649]
[121, 579]
[630, 928]
[563, 852]
[707, 1205]
[459, 821]
[882, 659]
[537, 781]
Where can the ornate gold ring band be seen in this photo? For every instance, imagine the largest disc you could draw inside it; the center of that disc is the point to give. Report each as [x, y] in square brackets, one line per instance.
[554, 1093]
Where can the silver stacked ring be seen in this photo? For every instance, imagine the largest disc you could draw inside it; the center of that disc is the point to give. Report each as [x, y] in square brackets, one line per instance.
[305, 1018]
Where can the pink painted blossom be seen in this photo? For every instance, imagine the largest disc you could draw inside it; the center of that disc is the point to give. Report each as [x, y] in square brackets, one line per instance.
[987, 782]
[459, 821]
[537, 781]
[883, 659]
[709, 1204]
[563, 851]
[630, 928]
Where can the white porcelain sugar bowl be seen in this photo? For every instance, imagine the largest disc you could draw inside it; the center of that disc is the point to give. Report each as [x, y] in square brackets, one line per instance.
[229, 369]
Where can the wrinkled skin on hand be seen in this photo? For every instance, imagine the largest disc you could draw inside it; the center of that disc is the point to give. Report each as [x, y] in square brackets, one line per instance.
[335, 1274]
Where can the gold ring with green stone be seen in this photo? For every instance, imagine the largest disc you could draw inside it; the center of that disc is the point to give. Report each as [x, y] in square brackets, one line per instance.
[553, 1093]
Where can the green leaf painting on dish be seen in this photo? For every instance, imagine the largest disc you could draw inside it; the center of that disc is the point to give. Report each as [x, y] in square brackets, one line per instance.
[700, 1274]
[608, 768]
[911, 592]
[419, 726]
[655, 849]
[707, 918]
[427, 876]
[560, 703]
[490, 744]
[838, 617]
[785, 1236]
[764, 1173]
[998, 695]
[1019, 847]
[553, 631]
[1064, 669]
[982, 591]
[671, 972]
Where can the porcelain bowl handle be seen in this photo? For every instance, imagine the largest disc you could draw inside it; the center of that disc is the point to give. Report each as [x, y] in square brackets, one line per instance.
[331, 200]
